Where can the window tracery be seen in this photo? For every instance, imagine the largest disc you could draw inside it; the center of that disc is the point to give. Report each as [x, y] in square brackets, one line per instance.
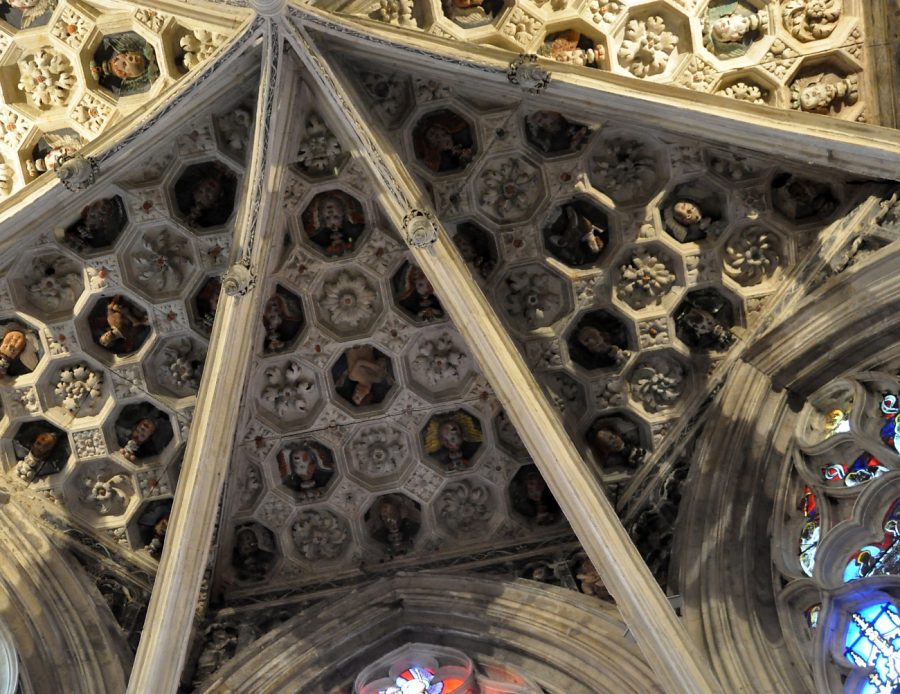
[842, 575]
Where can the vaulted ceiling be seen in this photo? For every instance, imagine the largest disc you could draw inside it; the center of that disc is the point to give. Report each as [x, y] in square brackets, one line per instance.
[630, 257]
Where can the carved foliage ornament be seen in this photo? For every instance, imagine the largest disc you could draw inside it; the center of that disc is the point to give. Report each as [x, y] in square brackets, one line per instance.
[465, 507]
[288, 390]
[645, 279]
[658, 382]
[647, 46]
[380, 450]
[319, 535]
[752, 255]
[810, 20]
[440, 360]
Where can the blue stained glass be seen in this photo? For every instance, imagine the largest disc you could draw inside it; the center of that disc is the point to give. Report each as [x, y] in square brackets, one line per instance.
[882, 559]
[415, 680]
[890, 435]
[809, 533]
[873, 641]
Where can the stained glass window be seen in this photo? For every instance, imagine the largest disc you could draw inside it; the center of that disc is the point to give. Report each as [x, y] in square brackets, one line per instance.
[863, 469]
[872, 641]
[809, 534]
[882, 558]
[416, 670]
[812, 615]
[889, 433]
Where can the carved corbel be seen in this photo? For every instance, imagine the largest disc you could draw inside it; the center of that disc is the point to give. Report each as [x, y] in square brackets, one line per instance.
[77, 172]
[525, 72]
[419, 229]
[238, 280]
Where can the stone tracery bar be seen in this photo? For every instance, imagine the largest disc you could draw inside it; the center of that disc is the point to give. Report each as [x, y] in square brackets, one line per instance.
[642, 603]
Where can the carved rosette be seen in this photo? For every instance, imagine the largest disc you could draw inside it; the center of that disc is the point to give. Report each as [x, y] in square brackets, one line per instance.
[533, 297]
[645, 278]
[647, 47]
[657, 383]
[465, 507]
[348, 300]
[509, 188]
[752, 256]
[379, 451]
[320, 535]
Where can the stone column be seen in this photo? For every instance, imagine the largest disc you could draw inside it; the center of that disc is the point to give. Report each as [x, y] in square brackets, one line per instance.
[675, 660]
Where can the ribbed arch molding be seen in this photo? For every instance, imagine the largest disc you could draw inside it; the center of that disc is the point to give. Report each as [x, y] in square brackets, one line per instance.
[567, 642]
[57, 622]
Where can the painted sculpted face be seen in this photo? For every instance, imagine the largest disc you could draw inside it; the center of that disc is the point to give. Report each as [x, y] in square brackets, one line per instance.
[273, 314]
[128, 64]
[609, 440]
[687, 212]
[43, 444]
[207, 192]
[817, 96]
[13, 344]
[99, 213]
[438, 137]
[451, 436]
[247, 544]
[143, 430]
[333, 214]
[594, 340]
[731, 28]
[535, 487]
[389, 512]
[303, 464]
[422, 285]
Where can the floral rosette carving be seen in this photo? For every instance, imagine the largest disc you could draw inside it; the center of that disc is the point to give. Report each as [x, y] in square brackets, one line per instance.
[752, 256]
[289, 391]
[645, 279]
[319, 535]
[657, 383]
[380, 451]
[464, 507]
[348, 300]
[47, 78]
[510, 188]
[533, 298]
[624, 169]
[647, 46]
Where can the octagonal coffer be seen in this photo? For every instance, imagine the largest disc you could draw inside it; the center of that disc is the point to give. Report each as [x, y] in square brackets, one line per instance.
[205, 194]
[334, 223]
[305, 468]
[444, 141]
[124, 63]
[98, 228]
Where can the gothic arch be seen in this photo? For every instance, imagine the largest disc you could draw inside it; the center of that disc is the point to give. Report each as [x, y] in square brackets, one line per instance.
[56, 620]
[563, 640]
[723, 548]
